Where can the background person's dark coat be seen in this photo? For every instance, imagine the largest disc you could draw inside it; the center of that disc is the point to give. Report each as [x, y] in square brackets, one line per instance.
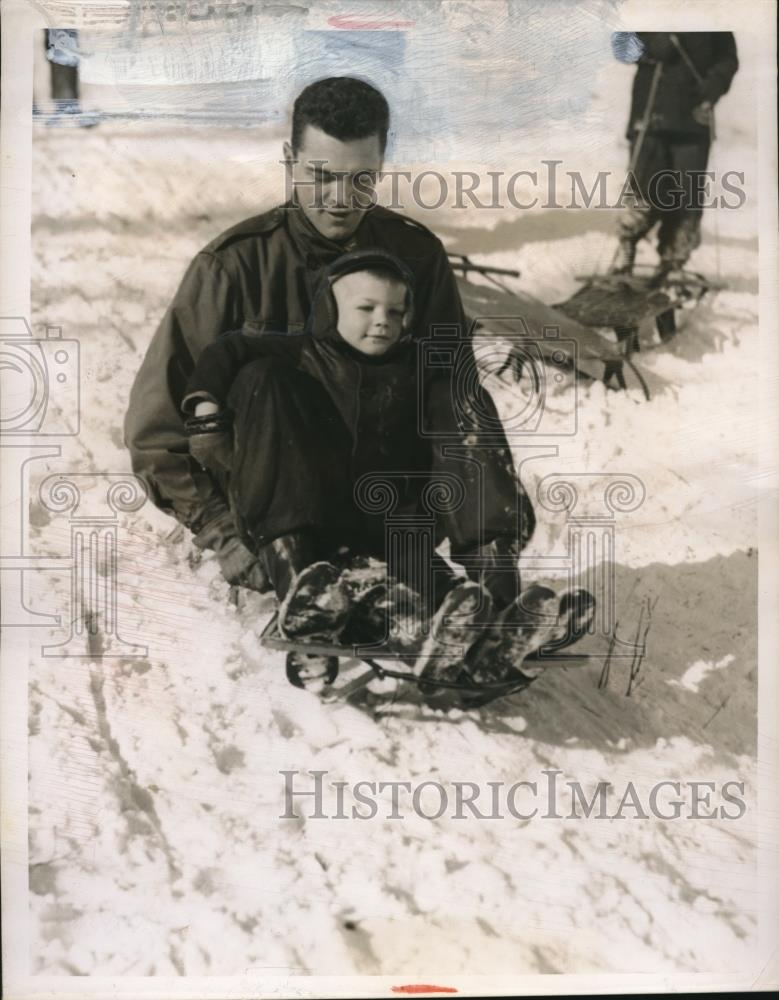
[712, 53]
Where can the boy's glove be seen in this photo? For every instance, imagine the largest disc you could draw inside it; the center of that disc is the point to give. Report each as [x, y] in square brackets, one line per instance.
[211, 441]
[239, 565]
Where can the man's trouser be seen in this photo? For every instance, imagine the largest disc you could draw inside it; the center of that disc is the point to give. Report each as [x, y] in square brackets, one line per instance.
[293, 472]
[667, 193]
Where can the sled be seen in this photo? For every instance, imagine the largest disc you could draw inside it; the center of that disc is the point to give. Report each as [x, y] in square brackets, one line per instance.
[635, 309]
[625, 302]
[385, 661]
[561, 340]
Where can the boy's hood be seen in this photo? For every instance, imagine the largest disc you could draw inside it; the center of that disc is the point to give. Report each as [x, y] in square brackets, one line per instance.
[323, 318]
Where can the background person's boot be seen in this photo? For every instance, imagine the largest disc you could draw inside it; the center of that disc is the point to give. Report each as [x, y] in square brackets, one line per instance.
[625, 257]
[669, 271]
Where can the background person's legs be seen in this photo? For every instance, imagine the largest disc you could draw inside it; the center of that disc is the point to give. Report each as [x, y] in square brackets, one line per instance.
[641, 214]
[62, 53]
[679, 233]
[634, 223]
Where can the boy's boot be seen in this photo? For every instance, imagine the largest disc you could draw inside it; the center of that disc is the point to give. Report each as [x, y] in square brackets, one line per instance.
[313, 603]
[316, 605]
[388, 613]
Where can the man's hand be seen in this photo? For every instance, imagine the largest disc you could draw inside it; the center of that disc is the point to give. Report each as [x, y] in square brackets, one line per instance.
[212, 450]
[210, 437]
[239, 565]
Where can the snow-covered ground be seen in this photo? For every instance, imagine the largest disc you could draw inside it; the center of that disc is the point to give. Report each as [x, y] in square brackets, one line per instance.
[156, 846]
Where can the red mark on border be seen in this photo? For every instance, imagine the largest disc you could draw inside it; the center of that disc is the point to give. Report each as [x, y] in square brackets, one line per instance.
[413, 988]
[350, 22]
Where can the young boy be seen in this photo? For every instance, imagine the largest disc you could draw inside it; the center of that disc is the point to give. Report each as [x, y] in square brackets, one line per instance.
[298, 420]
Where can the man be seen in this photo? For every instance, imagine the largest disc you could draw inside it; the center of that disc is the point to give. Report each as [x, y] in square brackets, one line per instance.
[261, 276]
[680, 78]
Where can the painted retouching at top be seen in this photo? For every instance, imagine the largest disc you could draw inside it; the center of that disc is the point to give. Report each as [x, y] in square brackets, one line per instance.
[458, 75]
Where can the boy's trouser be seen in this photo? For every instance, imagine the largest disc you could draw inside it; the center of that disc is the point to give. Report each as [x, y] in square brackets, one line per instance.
[665, 182]
[293, 472]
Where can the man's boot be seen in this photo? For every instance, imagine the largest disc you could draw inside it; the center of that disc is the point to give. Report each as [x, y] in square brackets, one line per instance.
[461, 619]
[626, 256]
[285, 557]
[496, 566]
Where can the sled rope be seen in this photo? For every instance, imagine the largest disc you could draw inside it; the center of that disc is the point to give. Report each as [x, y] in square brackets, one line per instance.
[643, 129]
[698, 79]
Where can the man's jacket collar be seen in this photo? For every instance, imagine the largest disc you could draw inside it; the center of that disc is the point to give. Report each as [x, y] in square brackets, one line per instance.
[312, 244]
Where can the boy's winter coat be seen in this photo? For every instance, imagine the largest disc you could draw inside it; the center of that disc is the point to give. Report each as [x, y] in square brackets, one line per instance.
[377, 396]
[259, 276]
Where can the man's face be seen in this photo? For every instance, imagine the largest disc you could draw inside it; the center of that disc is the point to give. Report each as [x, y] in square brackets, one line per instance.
[334, 180]
[370, 311]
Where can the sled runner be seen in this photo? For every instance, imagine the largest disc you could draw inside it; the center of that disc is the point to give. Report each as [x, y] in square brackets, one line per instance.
[634, 307]
[385, 661]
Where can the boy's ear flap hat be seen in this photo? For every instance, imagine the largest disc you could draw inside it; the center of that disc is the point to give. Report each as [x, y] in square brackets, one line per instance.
[323, 318]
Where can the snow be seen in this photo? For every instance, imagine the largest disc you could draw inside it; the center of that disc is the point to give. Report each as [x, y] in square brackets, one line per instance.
[695, 674]
[156, 846]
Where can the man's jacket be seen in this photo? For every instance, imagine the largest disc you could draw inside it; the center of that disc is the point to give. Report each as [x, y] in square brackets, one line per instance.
[376, 396]
[257, 277]
[703, 73]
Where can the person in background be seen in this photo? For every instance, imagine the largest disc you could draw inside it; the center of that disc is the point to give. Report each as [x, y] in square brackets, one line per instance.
[62, 54]
[679, 80]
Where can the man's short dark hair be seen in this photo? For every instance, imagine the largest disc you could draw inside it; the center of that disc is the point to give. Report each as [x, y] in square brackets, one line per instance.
[343, 107]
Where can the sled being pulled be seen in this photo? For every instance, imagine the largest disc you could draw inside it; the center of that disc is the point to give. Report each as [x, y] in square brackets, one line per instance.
[639, 309]
[533, 328]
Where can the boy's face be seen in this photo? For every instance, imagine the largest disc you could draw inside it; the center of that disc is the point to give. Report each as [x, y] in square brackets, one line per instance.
[370, 311]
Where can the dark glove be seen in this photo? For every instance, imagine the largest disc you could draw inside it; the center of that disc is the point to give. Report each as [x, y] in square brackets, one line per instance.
[702, 113]
[211, 441]
[658, 47]
[239, 564]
